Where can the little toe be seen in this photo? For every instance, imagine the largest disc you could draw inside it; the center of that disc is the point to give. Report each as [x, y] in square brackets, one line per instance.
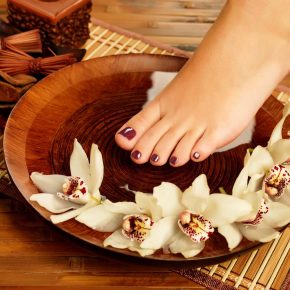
[128, 135]
[166, 145]
[205, 146]
[143, 148]
[182, 152]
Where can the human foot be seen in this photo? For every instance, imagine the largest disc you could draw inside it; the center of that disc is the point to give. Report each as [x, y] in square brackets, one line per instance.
[217, 92]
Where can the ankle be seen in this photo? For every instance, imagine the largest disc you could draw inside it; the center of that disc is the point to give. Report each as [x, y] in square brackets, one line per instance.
[270, 17]
[267, 21]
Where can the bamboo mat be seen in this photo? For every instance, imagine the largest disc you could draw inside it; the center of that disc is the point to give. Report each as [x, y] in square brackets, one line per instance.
[264, 268]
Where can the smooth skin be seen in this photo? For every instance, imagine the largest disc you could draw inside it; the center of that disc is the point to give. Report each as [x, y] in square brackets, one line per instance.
[243, 57]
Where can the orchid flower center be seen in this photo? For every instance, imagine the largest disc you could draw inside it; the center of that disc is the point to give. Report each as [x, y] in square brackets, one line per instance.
[137, 227]
[195, 226]
[74, 187]
[276, 181]
[263, 209]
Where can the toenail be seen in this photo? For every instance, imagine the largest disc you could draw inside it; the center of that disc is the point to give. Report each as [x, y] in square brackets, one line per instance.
[173, 160]
[154, 157]
[196, 155]
[128, 133]
[136, 154]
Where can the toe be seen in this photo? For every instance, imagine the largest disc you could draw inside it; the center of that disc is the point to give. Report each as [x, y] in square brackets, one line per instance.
[133, 130]
[143, 149]
[182, 152]
[166, 145]
[205, 146]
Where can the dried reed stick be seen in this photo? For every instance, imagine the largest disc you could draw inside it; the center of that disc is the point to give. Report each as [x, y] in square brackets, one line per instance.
[6, 46]
[29, 41]
[13, 63]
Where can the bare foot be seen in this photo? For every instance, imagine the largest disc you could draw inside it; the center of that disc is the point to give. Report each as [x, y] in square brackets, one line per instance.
[218, 91]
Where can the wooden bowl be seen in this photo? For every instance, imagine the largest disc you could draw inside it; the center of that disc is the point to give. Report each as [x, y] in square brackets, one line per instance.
[90, 101]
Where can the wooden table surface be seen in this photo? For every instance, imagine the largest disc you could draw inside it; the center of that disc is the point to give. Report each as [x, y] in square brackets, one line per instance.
[34, 253]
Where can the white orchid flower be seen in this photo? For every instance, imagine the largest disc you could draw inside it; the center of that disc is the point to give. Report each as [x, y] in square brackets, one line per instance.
[130, 222]
[168, 218]
[268, 192]
[261, 164]
[195, 212]
[80, 191]
[265, 183]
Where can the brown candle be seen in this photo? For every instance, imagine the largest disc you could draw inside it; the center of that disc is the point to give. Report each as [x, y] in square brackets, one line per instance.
[62, 22]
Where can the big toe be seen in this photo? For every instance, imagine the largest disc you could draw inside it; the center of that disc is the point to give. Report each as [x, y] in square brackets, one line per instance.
[129, 134]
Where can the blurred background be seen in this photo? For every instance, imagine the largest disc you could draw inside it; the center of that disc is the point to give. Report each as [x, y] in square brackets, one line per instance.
[181, 23]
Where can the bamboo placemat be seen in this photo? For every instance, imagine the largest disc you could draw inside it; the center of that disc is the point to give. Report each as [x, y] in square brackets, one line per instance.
[264, 268]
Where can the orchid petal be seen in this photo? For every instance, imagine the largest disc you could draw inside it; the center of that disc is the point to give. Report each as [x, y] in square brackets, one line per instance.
[123, 207]
[169, 197]
[119, 241]
[255, 182]
[142, 252]
[48, 183]
[254, 199]
[247, 157]
[195, 198]
[161, 233]
[101, 219]
[280, 151]
[260, 161]
[232, 235]
[261, 232]
[285, 198]
[184, 245]
[241, 183]
[225, 209]
[52, 203]
[148, 203]
[79, 164]
[278, 215]
[83, 199]
[277, 132]
[96, 171]
[71, 214]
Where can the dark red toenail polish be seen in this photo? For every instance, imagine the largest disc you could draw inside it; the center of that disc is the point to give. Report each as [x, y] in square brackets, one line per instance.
[154, 157]
[196, 155]
[173, 160]
[128, 133]
[136, 154]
